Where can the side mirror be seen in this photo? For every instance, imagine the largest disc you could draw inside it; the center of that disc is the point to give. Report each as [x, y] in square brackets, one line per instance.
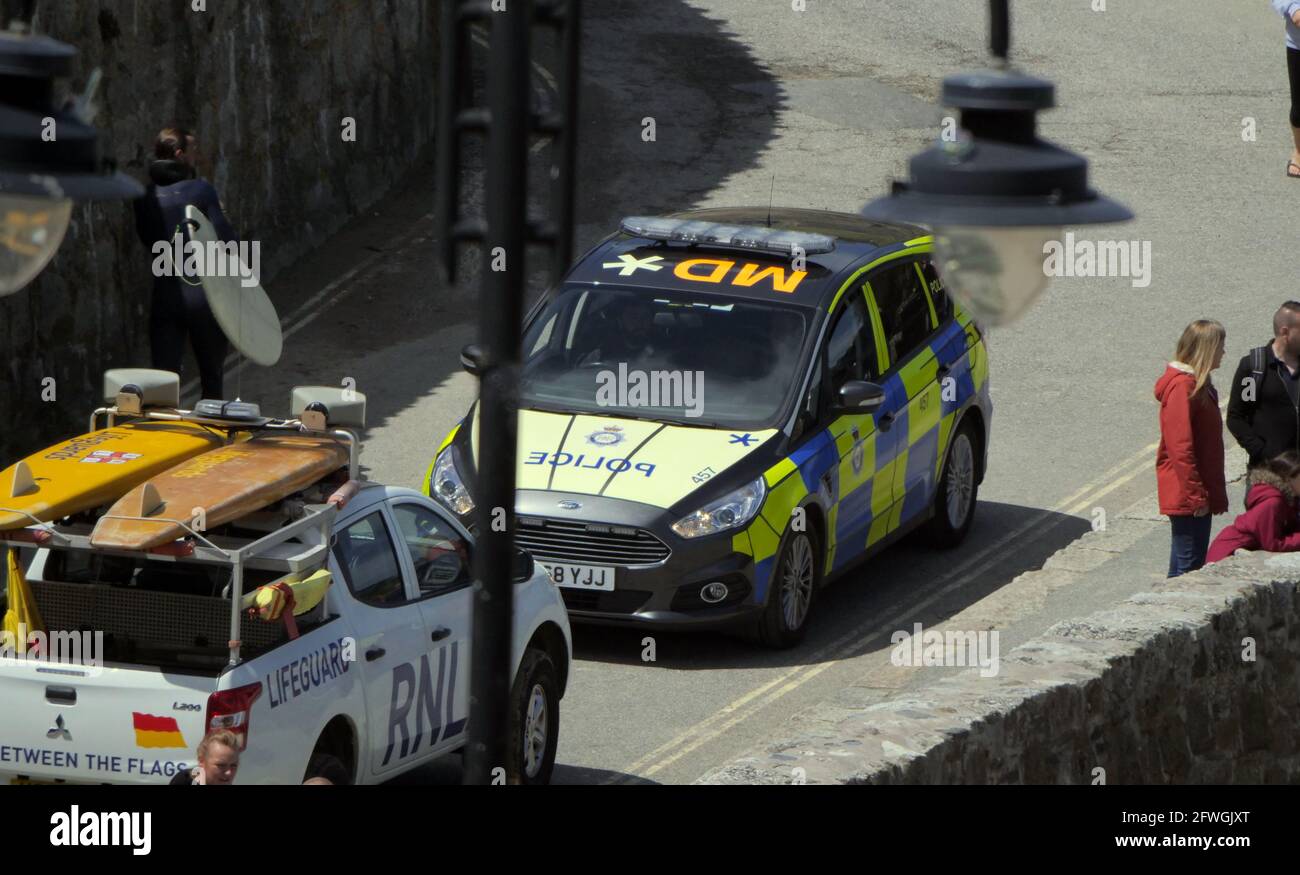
[471, 359]
[858, 396]
[522, 566]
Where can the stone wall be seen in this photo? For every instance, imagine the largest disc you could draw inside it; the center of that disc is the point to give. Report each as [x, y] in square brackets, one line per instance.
[1158, 690]
[266, 84]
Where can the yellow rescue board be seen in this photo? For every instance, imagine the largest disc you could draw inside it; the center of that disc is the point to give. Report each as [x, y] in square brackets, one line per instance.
[217, 487]
[95, 469]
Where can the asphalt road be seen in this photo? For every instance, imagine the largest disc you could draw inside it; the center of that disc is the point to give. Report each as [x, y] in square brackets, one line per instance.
[819, 108]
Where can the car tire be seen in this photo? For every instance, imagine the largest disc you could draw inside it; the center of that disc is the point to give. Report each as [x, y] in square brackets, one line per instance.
[956, 494]
[326, 765]
[796, 577]
[534, 720]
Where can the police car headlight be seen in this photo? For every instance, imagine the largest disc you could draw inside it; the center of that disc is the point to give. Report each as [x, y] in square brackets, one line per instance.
[446, 485]
[731, 511]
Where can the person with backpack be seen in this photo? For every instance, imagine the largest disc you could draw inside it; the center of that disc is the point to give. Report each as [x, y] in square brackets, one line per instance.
[1189, 461]
[1270, 521]
[1264, 402]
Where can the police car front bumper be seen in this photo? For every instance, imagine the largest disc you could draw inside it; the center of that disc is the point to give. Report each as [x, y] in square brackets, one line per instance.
[658, 576]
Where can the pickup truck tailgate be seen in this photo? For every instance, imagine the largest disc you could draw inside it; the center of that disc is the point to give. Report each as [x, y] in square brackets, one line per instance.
[101, 725]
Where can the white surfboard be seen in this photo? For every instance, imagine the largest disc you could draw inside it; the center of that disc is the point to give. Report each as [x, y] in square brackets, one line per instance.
[245, 313]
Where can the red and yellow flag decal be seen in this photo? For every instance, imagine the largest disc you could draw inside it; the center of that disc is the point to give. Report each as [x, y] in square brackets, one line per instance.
[151, 731]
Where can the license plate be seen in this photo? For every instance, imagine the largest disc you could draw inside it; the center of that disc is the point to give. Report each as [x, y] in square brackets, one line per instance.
[581, 576]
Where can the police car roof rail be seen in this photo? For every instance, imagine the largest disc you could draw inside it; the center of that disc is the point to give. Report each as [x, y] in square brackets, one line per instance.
[753, 238]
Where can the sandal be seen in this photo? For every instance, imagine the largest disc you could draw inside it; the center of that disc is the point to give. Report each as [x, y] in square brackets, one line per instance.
[1289, 174]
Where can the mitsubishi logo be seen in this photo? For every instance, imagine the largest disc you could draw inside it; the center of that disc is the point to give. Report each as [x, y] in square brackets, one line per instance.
[59, 731]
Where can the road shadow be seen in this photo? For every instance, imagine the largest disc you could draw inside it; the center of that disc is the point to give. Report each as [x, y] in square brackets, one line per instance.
[663, 71]
[907, 583]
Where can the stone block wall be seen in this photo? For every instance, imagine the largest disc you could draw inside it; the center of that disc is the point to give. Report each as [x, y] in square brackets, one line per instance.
[266, 84]
[1196, 682]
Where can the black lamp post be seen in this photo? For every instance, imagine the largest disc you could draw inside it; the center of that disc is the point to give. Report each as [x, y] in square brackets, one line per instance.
[49, 155]
[996, 194]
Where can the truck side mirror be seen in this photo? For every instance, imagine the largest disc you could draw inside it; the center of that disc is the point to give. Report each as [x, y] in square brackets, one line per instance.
[522, 566]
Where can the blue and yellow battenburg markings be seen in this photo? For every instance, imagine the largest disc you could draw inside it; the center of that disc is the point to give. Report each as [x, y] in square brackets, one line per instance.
[877, 479]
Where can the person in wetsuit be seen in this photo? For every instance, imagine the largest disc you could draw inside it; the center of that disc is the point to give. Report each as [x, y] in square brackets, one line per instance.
[179, 308]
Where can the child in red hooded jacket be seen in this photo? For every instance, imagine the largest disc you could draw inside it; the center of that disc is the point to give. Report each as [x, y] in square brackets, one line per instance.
[1189, 462]
[1270, 521]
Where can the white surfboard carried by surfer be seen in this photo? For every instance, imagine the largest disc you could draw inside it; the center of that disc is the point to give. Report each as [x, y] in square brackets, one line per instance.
[244, 312]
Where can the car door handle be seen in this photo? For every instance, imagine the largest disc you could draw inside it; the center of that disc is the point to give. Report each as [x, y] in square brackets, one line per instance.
[375, 653]
[944, 370]
[886, 420]
[440, 633]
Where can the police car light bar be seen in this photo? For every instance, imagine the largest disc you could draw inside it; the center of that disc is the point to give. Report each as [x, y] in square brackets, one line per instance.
[728, 236]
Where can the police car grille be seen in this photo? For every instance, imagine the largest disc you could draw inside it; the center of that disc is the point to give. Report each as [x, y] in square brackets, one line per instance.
[593, 544]
[625, 601]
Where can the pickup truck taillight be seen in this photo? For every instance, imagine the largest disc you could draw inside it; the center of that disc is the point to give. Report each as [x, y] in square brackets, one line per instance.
[231, 710]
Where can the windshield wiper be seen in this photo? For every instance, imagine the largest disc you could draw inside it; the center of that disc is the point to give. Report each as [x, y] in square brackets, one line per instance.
[689, 422]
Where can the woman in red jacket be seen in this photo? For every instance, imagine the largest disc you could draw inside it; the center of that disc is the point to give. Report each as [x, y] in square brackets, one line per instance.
[1189, 462]
[1270, 520]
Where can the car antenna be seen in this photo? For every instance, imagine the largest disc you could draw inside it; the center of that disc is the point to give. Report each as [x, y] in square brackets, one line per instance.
[769, 201]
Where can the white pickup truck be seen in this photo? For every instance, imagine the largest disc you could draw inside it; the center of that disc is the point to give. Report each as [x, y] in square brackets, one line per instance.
[377, 682]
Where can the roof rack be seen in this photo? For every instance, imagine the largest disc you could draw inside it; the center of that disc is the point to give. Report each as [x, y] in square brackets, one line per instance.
[290, 425]
[270, 552]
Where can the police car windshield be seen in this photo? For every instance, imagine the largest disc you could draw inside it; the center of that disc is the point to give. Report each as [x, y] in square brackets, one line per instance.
[684, 358]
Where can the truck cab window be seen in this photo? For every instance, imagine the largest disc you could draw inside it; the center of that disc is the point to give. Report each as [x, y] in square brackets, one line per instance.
[440, 556]
[364, 551]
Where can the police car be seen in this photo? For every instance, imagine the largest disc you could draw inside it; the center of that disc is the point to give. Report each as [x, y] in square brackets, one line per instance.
[723, 409]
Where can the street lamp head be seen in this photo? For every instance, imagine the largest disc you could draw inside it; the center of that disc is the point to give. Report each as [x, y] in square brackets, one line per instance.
[49, 157]
[996, 194]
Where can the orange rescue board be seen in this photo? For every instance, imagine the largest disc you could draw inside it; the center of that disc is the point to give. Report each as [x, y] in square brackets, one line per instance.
[224, 484]
[95, 468]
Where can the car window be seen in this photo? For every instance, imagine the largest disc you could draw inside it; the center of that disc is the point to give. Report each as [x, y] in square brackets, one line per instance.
[904, 312]
[847, 351]
[672, 343]
[810, 409]
[365, 554]
[440, 555]
[544, 337]
[938, 294]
